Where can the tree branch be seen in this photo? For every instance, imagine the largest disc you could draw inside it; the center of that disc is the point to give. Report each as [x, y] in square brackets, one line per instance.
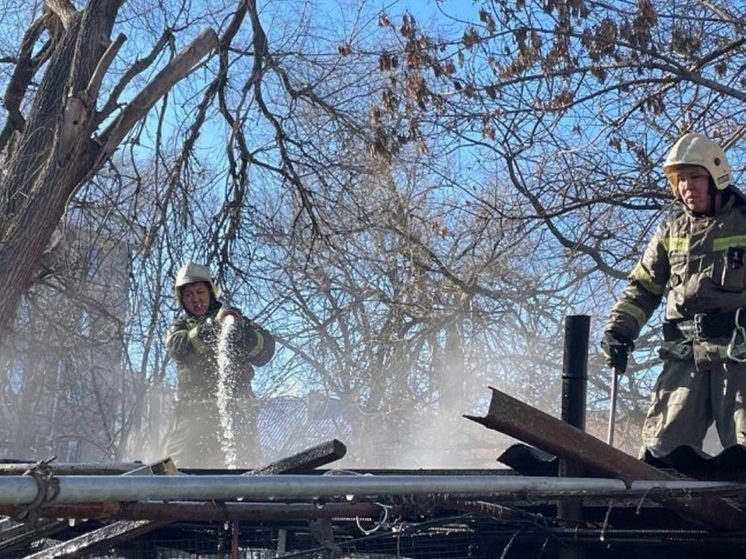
[134, 70]
[64, 10]
[103, 65]
[177, 69]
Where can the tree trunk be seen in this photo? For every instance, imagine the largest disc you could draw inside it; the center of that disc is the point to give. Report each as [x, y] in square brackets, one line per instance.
[56, 152]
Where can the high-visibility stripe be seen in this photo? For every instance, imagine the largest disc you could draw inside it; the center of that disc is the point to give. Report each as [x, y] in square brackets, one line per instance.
[681, 244]
[726, 242]
[637, 313]
[643, 277]
[676, 244]
[259, 345]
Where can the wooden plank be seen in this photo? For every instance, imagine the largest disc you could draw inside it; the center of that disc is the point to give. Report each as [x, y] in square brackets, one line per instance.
[530, 425]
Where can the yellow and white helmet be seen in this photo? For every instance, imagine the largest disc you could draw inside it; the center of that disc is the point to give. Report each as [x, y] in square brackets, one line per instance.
[696, 149]
[191, 272]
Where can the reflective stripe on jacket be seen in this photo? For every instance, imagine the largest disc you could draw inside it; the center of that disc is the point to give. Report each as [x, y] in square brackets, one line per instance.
[697, 262]
[197, 362]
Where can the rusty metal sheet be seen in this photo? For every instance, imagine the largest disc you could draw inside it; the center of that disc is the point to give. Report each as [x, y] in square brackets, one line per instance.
[532, 426]
[728, 464]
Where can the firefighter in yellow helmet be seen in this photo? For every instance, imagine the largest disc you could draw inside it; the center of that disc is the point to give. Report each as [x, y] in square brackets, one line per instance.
[696, 261]
[194, 342]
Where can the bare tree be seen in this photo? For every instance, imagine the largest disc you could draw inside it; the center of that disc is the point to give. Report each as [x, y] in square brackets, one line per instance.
[574, 105]
[408, 204]
[67, 133]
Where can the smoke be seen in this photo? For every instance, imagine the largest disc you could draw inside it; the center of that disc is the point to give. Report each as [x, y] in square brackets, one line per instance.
[448, 440]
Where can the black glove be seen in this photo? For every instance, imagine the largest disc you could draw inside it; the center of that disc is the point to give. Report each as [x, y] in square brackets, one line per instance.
[616, 349]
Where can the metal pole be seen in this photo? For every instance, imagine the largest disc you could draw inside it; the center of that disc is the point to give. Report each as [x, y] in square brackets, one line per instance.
[235, 531]
[612, 406]
[574, 384]
[69, 468]
[575, 370]
[25, 490]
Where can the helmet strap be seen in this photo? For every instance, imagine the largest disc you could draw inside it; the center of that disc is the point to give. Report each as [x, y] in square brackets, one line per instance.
[214, 304]
[712, 191]
[717, 198]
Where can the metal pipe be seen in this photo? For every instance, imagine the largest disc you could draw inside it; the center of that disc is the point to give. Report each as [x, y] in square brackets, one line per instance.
[574, 385]
[615, 374]
[34, 491]
[575, 370]
[517, 419]
[70, 468]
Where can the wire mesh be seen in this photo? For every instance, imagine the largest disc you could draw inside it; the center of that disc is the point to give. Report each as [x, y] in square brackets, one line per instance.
[451, 539]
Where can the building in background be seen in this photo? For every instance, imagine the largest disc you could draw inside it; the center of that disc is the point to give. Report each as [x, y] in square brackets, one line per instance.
[290, 424]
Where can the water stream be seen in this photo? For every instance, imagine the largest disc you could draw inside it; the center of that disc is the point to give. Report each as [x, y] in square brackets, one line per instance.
[227, 380]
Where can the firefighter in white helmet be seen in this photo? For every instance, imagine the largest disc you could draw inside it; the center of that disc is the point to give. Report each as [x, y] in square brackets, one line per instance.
[696, 261]
[193, 342]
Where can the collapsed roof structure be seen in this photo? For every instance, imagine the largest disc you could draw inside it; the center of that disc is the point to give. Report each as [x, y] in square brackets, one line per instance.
[621, 507]
[560, 493]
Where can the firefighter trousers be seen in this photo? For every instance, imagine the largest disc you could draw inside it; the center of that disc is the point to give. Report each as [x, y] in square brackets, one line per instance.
[687, 401]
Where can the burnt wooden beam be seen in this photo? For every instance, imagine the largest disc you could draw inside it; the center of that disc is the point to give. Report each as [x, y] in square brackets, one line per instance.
[21, 536]
[530, 425]
[103, 538]
[304, 461]
[209, 511]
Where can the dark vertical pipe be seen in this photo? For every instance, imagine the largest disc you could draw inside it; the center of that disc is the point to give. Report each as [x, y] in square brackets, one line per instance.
[574, 385]
[575, 370]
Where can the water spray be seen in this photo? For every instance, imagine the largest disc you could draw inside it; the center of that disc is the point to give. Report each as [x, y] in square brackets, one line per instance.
[225, 390]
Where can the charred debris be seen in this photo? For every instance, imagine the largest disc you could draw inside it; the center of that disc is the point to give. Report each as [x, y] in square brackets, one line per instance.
[559, 493]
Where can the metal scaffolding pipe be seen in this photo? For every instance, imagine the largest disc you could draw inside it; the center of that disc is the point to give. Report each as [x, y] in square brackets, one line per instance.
[74, 468]
[36, 490]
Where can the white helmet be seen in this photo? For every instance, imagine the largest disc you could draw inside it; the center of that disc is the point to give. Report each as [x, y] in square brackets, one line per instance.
[191, 272]
[696, 149]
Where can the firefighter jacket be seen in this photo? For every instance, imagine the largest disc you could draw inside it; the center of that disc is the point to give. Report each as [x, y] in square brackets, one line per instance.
[697, 263]
[196, 354]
